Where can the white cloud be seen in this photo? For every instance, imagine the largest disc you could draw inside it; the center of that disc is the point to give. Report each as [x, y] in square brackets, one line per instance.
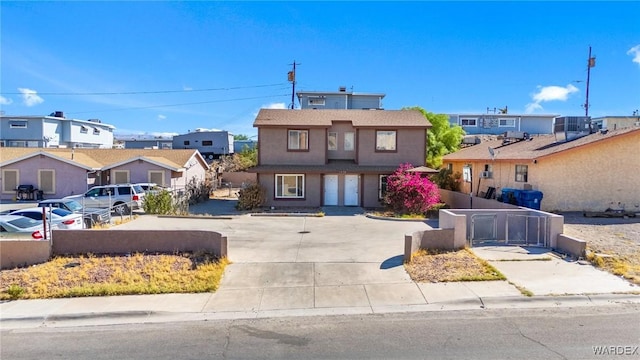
[30, 97]
[275, 106]
[161, 117]
[187, 88]
[635, 52]
[5, 101]
[549, 93]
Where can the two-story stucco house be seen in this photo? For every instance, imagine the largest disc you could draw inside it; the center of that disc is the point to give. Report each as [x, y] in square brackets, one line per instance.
[54, 131]
[340, 100]
[335, 157]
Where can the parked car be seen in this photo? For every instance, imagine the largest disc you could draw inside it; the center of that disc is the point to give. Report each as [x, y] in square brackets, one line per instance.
[92, 216]
[152, 188]
[120, 198]
[11, 225]
[64, 219]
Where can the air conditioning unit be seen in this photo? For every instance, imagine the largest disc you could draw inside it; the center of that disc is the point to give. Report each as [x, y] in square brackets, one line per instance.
[486, 174]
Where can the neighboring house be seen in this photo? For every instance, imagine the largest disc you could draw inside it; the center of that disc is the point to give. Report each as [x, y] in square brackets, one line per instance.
[497, 124]
[575, 171]
[54, 131]
[339, 100]
[616, 122]
[62, 172]
[211, 143]
[335, 157]
[145, 142]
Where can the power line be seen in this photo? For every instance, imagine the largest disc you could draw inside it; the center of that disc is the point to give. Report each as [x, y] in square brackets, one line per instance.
[147, 92]
[171, 105]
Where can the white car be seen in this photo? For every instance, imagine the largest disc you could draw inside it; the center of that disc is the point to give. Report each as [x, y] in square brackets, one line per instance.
[62, 218]
[120, 198]
[12, 225]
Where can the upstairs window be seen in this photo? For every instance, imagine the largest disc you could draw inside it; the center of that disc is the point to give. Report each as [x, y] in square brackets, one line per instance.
[207, 142]
[507, 123]
[349, 141]
[298, 140]
[186, 142]
[96, 131]
[332, 141]
[316, 101]
[17, 124]
[386, 140]
[468, 122]
[84, 129]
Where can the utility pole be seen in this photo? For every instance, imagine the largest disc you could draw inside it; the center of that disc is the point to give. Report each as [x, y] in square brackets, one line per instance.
[590, 63]
[291, 76]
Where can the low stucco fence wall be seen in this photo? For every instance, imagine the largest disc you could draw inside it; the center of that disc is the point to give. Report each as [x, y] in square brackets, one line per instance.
[29, 252]
[236, 179]
[14, 253]
[455, 225]
[458, 200]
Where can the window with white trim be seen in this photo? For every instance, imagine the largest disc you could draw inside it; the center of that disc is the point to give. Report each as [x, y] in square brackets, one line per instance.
[511, 122]
[522, 172]
[289, 186]
[469, 122]
[382, 186]
[386, 140]
[298, 140]
[96, 131]
[16, 124]
[156, 177]
[10, 180]
[349, 141]
[316, 101]
[84, 129]
[332, 141]
[47, 181]
[120, 176]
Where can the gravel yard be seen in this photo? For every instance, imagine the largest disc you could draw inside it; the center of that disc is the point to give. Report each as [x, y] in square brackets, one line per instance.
[618, 237]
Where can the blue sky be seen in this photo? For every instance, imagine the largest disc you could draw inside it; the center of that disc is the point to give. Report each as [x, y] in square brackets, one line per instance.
[171, 67]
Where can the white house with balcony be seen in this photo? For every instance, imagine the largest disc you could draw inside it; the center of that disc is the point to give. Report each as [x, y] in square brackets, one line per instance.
[54, 131]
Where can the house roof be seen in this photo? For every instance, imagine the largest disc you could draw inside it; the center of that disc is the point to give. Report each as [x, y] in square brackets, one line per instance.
[325, 118]
[105, 158]
[535, 148]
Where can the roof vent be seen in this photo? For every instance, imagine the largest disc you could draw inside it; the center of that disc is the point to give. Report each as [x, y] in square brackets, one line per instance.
[342, 89]
[58, 114]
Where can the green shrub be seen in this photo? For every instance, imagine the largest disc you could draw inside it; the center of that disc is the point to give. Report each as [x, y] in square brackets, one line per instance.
[159, 203]
[251, 197]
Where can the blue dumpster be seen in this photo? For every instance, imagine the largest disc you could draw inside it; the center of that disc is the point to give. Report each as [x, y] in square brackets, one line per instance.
[531, 199]
[509, 196]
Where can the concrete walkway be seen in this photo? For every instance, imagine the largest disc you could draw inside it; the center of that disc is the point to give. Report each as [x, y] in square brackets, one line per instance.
[342, 263]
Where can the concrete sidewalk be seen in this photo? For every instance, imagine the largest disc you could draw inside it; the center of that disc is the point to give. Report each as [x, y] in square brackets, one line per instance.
[334, 265]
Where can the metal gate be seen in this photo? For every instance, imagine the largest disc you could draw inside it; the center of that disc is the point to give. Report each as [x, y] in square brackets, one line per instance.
[484, 229]
[526, 230]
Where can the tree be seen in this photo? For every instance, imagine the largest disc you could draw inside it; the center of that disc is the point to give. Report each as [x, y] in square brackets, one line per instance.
[410, 192]
[442, 138]
[240, 137]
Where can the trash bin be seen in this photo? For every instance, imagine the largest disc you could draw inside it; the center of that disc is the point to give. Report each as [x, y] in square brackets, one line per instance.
[509, 196]
[531, 199]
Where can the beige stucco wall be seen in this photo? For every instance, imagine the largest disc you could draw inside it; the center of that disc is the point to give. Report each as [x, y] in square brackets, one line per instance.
[593, 177]
[410, 145]
[273, 147]
[14, 253]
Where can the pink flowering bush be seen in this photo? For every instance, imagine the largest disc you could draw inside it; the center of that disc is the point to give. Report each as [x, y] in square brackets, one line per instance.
[409, 192]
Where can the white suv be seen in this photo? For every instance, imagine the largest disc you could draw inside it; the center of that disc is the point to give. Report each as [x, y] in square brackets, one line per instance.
[120, 198]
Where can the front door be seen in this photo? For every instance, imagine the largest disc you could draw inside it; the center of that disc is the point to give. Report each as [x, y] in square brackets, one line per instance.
[351, 193]
[331, 190]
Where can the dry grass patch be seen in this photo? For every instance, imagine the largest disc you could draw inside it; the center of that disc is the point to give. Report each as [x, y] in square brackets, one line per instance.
[447, 266]
[627, 265]
[114, 275]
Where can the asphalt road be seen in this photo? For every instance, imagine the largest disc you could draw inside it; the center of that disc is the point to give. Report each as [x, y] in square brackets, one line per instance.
[563, 333]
